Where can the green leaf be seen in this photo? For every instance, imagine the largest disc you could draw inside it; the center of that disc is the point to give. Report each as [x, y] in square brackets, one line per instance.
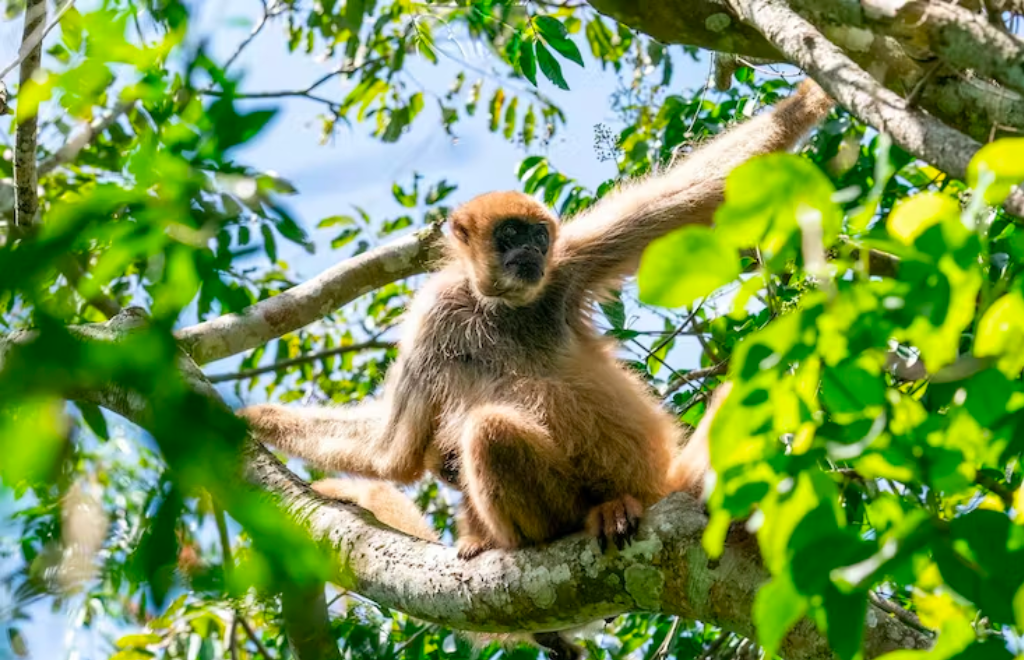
[1001, 333]
[550, 67]
[845, 615]
[94, 417]
[1018, 608]
[849, 388]
[336, 221]
[913, 216]
[765, 199]
[269, 243]
[777, 608]
[1003, 160]
[408, 200]
[686, 265]
[556, 34]
[137, 641]
[528, 62]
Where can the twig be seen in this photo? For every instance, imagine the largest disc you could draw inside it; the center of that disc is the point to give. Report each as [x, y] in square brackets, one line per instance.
[904, 616]
[255, 638]
[666, 644]
[34, 40]
[225, 547]
[262, 23]
[308, 357]
[697, 374]
[69, 152]
[26, 179]
[233, 639]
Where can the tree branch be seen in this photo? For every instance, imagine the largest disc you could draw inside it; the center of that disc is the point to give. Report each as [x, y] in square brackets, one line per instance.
[301, 359]
[74, 146]
[26, 179]
[564, 584]
[312, 300]
[34, 40]
[855, 89]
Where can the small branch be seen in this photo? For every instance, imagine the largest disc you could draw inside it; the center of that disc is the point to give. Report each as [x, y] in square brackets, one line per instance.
[301, 359]
[74, 146]
[34, 40]
[75, 271]
[912, 368]
[913, 130]
[26, 179]
[262, 23]
[310, 301]
[683, 380]
[305, 92]
[903, 615]
[247, 627]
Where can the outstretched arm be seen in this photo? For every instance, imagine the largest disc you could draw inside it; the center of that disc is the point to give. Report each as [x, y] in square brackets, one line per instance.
[386, 439]
[605, 243]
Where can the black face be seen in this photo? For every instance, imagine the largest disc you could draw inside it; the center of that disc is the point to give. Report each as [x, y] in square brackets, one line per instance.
[522, 248]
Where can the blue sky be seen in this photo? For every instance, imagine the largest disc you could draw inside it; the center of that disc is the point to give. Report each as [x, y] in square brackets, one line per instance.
[356, 169]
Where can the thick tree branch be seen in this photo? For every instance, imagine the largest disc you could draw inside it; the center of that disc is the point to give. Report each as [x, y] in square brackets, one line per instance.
[855, 89]
[26, 179]
[312, 300]
[566, 583]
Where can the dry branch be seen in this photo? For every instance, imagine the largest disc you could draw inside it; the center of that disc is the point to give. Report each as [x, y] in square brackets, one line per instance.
[312, 300]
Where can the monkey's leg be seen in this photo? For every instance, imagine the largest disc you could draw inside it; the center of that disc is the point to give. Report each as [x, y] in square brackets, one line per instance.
[615, 521]
[519, 482]
[473, 537]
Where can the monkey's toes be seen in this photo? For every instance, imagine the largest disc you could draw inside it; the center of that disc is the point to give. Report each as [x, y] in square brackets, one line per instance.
[471, 546]
[615, 522]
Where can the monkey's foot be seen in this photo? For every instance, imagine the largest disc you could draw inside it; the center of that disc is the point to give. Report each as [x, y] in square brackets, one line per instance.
[470, 546]
[615, 522]
[558, 647]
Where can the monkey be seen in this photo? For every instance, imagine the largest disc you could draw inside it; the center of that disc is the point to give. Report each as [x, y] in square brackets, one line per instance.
[503, 384]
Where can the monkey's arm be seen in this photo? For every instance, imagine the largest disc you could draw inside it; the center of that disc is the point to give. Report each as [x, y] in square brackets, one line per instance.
[605, 243]
[386, 440]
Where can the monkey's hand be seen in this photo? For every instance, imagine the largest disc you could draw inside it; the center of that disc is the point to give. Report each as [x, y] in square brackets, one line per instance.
[615, 522]
[470, 546]
[266, 419]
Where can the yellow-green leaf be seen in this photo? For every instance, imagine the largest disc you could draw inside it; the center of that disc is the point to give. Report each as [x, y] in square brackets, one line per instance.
[1004, 159]
[685, 265]
[1001, 333]
[913, 216]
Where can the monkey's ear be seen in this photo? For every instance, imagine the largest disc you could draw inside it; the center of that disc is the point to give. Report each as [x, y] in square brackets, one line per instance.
[460, 230]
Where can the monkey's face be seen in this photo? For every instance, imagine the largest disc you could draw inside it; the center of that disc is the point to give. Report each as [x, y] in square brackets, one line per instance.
[521, 253]
[505, 242]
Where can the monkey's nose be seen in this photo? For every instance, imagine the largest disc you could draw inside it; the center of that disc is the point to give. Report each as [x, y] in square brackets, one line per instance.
[527, 269]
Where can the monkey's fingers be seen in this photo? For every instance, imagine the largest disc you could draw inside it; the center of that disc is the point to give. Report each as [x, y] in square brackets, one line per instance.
[615, 522]
[470, 546]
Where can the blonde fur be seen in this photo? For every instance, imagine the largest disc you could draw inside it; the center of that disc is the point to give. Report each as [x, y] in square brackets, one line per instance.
[505, 388]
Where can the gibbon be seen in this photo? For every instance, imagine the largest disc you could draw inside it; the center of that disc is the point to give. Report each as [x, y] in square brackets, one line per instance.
[503, 385]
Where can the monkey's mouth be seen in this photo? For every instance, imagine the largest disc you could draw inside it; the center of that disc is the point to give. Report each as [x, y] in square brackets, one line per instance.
[526, 268]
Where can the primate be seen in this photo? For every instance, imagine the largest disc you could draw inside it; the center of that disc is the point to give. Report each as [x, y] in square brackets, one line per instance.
[503, 385]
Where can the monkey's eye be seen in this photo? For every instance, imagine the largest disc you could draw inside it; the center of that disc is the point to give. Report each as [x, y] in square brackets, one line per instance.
[542, 237]
[507, 231]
